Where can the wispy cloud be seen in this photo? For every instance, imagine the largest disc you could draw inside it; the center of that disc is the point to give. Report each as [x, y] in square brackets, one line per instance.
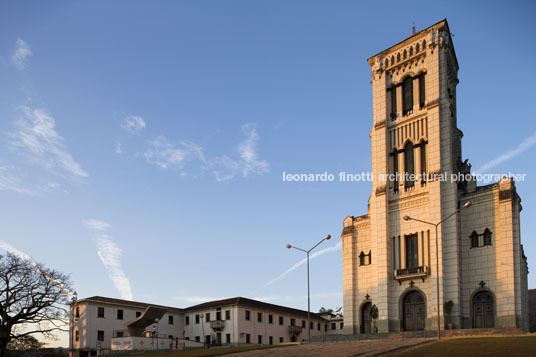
[133, 124]
[334, 248]
[248, 152]
[53, 185]
[526, 144]
[97, 225]
[226, 168]
[118, 148]
[9, 182]
[166, 154]
[110, 256]
[9, 248]
[36, 137]
[21, 54]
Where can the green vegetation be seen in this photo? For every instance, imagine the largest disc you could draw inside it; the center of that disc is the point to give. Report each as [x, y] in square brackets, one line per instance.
[449, 305]
[323, 309]
[374, 315]
[476, 346]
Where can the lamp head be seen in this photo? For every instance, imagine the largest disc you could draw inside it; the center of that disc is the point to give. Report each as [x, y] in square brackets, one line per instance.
[467, 204]
[407, 218]
[289, 246]
[328, 237]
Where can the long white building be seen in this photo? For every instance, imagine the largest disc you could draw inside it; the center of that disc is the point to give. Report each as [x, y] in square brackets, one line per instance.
[101, 323]
[96, 320]
[243, 321]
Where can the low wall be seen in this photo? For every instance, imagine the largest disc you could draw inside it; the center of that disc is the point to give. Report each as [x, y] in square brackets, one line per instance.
[509, 331]
[147, 343]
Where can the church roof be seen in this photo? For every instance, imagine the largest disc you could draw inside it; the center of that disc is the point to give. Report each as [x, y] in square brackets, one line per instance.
[241, 301]
[134, 304]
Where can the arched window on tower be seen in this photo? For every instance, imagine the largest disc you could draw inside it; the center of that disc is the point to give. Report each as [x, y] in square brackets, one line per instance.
[487, 237]
[394, 154]
[422, 91]
[407, 96]
[393, 102]
[423, 162]
[365, 259]
[474, 239]
[409, 166]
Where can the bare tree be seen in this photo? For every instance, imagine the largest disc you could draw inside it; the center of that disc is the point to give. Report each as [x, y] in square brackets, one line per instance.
[33, 300]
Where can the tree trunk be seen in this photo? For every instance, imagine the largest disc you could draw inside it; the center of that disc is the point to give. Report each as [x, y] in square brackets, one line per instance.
[3, 346]
[5, 333]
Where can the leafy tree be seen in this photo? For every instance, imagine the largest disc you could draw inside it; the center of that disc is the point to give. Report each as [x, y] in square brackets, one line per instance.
[33, 300]
[449, 305]
[24, 344]
[323, 309]
[374, 315]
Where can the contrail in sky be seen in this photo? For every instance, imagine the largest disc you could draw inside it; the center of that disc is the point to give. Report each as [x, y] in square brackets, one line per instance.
[301, 262]
[110, 256]
[525, 145]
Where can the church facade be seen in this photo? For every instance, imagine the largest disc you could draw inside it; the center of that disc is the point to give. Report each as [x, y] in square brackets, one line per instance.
[399, 257]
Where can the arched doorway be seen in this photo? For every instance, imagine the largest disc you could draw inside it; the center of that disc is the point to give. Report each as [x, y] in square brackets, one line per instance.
[483, 316]
[365, 318]
[414, 311]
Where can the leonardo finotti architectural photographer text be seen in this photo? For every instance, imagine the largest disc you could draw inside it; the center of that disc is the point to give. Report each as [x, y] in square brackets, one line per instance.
[368, 176]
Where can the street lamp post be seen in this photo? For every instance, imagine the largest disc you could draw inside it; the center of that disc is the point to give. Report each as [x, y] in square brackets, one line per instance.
[328, 237]
[157, 320]
[203, 327]
[71, 323]
[436, 225]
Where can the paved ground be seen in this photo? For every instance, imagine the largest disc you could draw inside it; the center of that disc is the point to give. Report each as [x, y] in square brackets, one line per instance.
[338, 349]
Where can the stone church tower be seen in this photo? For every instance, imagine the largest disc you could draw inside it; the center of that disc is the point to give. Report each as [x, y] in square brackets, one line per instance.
[389, 254]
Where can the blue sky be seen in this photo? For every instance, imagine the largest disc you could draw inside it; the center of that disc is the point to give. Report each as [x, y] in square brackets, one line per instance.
[142, 144]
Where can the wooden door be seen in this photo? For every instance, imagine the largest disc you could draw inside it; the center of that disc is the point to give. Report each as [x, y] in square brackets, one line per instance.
[414, 312]
[366, 319]
[483, 316]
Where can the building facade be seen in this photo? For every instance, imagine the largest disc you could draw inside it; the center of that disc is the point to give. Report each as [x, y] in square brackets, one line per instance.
[95, 321]
[335, 322]
[247, 321]
[101, 323]
[420, 179]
